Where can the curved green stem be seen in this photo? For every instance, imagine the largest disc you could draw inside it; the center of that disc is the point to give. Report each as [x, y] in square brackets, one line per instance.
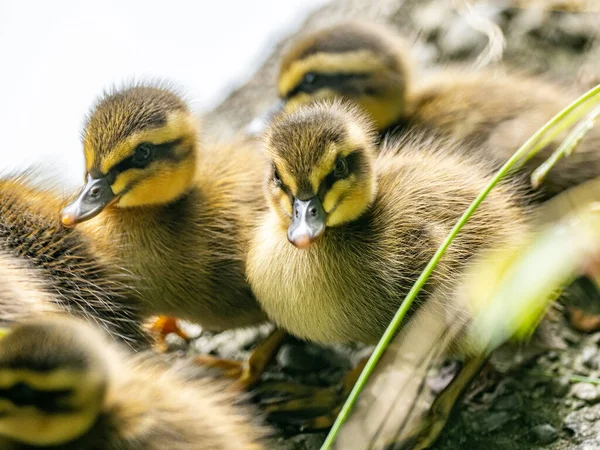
[566, 148]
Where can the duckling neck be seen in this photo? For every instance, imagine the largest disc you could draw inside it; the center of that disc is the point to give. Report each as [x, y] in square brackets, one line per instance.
[186, 257]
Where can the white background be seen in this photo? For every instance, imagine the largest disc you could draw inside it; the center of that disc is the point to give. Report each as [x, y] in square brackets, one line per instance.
[57, 56]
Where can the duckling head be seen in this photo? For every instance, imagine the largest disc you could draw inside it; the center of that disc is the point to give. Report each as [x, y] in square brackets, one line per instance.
[140, 149]
[360, 62]
[52, 385]
[321, 171]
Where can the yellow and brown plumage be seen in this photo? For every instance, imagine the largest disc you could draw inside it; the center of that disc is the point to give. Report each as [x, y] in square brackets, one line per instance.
[177, 215]
[78, 280]
[358, 61]
[22, 293]
[368, 223]
[496, 113]
[64, 386]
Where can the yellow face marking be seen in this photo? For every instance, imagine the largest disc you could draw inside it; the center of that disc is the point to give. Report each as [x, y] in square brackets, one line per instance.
[333, 196]
[384, 109]
[323, 167]
[59, 379]
[359, 62]
[88, 154]
[162, 181]
[357, 198]
[168, 183]
[124, 179]
[287, 177]
[285, 204]
[179, 124]
[327, 162]
[279, 203]
[30, 426]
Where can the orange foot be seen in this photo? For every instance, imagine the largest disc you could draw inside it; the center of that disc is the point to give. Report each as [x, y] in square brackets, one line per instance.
[164, 325]
[247, 373]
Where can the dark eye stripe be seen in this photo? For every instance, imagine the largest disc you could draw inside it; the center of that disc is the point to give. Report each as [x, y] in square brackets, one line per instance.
[161, 151]
[353, 162]
[21, 394]
[341, 81]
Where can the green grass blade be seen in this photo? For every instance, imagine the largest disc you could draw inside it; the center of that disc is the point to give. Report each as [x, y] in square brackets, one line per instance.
[566, 148]
[582, 379]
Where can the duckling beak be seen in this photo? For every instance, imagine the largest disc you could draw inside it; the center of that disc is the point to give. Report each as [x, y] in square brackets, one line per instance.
[260, 123]
[308, 222]
[93, 198]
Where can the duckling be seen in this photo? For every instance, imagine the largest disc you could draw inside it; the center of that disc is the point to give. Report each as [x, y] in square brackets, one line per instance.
[348, 230]
[368, 65]
[64, 385]
[351, 227]
[177, 215]
[358, 61]
[78, 280]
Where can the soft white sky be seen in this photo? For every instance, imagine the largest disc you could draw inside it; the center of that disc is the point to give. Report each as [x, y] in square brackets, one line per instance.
[57, 56]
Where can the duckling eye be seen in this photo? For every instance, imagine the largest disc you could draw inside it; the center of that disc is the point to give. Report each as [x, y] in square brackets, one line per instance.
[341, 168]
[22, 394]
[143, 153]
[309, 78]
[276, 177]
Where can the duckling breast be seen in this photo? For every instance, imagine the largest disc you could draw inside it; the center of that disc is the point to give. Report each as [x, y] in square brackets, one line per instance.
[348, 284]
[341, 289]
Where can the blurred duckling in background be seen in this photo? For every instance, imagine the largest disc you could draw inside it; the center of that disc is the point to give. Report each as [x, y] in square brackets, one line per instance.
[177, 215]
[368, 65]
[363, 225]
[63, 385]
[361, 62]
[78, 280]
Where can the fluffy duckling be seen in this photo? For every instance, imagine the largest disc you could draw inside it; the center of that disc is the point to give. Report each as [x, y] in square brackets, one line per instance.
[178, 217]
[77, 280]
[361, 62]
[362, 225]
[368, 65]
[63, 385]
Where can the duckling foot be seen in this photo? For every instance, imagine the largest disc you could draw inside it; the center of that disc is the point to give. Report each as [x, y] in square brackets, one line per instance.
[247, 373]
[163, 326]
[305, 408]
[298, 407]
[430, 426]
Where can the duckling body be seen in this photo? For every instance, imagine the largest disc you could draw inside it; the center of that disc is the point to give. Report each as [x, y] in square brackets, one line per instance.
[64, 386]
[351, 61]
[189, 255]
[384, 219]
[76, 279]
[179, 220]
[497, 113]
